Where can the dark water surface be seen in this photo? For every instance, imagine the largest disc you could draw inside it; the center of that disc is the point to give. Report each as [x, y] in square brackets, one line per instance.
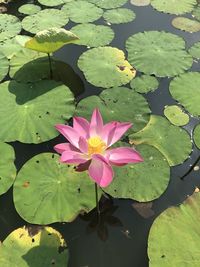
[126, 246]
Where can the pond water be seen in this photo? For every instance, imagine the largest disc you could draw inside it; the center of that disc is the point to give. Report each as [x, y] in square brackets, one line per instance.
[125, 245]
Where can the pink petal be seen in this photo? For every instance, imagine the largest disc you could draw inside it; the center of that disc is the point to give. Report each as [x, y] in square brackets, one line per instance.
[69, 133]
[123, 155]
[83, 145]
[96, 124]
[72, 157]
[81, 126]
[113, 131]
[100, 171]
[60, 148]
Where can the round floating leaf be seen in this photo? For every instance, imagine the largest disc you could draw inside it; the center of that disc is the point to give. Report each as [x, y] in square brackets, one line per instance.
[140, 2]
[34, 246]
[119, 15]
[186, 24]
[144, 181]
[93, 35]
[144, 84]
[107, 4]
[174, 236]
[106, 67]
[174, 7]
[49, 41]
[197, 135]
[53, 2]
[176, 115]
[186, 89]
[33, 110]
[161, 134]
[196, 12]
[9, 26]
[29, 9]
[7, 167]
[159, 53]
[82, 11]
[117, 104]
[61, 190]
[44, 20]
[4, 66]
[195, 50]
[10, 47]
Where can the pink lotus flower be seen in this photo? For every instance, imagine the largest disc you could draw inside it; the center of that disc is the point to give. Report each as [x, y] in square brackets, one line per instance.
[89, 147]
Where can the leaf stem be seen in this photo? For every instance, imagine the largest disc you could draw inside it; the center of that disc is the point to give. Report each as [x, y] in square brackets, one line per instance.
[50, 66]
[97, 202]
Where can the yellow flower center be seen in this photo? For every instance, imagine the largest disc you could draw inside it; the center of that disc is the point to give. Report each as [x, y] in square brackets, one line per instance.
[96, 145]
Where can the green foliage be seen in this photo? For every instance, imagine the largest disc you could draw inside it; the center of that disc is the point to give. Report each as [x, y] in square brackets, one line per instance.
[10, 26]
[4, 66]
[140, 2]
[197, 136]
[185, 24]
[29, 9]
[61, 190]
[144, 84]
[176, 115]
[119, 15]
[195, 50]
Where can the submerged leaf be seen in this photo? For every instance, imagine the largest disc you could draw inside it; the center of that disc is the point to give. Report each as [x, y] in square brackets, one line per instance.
[176, 115]
[185, 24]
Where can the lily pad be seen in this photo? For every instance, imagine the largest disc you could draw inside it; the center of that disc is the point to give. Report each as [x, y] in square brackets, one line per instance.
[93, 35]
[29, 9]
[144, 84]
[140, 2]
[174, 236]
[159, 53]
[4, 66]
[196, 12]
[161, 134]
[176, 115]
[82, 11]
[31, 117]
[197, 135]
[195, 50]
[44, 20]
[119, 15]
[10, 26]
[49, 41]
[133, 107]
[10, 47]
[34, 246]
[185, 24]
[174, 7]
[61, 190]
[7, 167]
[106, 67]
[186, 89]
[108, 4]
[144, 181]
[52, 3]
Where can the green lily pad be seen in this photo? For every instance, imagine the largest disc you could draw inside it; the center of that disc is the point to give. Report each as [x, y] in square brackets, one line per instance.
[106, 67]
[161, 134]
[119, 15]
[4, 66]
[7, 167]
[31, 117]
[144, 181]
[82, 11]
[29, 9]
[117, 104]
[197, 135]
[174, 7]
[176, 115]
[52, 3]
[140, 2]
[196, 12]
[93, 35]
[186, 89]
[49, 41]
[10, 47]
[108, 4]
[144, 84]
[195, 50]
[174, 236]
[34, 246]
[44, 20]
[185, 24]
[159, 53]
[10, 26]
[61, 190]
